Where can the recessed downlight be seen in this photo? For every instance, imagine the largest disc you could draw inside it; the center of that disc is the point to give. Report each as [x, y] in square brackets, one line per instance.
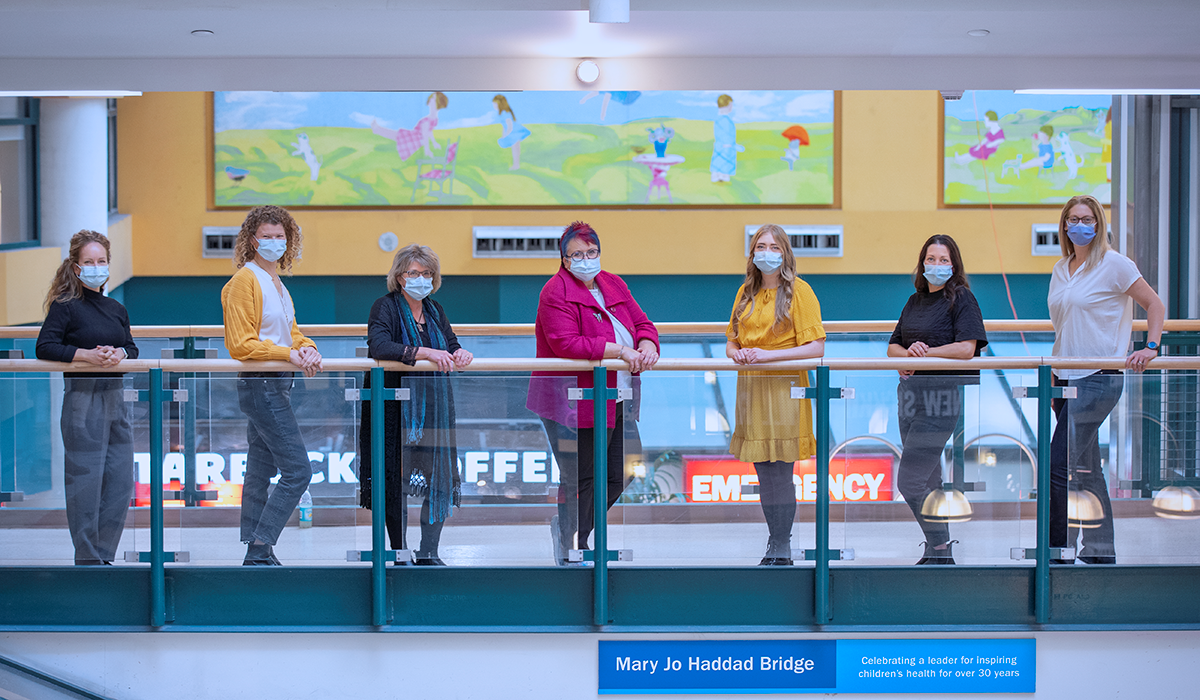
[587, 72]
[978, 32]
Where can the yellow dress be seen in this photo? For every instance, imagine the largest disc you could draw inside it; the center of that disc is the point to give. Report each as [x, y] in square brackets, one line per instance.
[770, 424]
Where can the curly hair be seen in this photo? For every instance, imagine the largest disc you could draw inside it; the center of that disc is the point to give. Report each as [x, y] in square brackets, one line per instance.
[244, 248]
[754, 281]
[66, 285]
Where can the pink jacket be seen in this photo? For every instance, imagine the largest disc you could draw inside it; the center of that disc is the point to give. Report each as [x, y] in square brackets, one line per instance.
[571, 325]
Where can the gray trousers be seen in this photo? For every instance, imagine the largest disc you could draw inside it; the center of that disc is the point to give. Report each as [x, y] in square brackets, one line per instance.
[98, 469]
[275, 446]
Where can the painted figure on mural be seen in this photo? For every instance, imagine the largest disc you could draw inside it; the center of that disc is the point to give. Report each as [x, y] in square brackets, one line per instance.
[988, 144]
[514, 133]
[725, 145]
[409, 141]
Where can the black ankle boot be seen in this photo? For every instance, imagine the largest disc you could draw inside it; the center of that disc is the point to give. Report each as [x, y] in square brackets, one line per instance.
[942, 554]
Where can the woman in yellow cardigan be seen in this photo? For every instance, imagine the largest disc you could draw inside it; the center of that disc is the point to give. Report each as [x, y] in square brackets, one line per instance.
[776, 317]
[260, 324]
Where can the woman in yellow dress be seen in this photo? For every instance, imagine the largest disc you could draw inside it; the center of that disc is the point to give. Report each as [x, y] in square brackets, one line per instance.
[776, 317]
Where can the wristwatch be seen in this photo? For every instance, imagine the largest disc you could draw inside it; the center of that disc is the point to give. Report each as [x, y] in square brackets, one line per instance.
[1151, 345]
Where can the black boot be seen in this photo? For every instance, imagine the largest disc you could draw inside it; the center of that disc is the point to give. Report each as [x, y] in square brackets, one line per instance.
[941, 554]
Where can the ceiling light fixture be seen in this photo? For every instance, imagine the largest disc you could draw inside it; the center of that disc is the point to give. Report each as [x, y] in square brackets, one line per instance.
[71, 93]
[978, 32]
[1106, 91]
[587, 72]
[202, 32]
[608, 11]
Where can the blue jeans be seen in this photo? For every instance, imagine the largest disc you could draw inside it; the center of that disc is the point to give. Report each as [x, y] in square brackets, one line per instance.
[275, 446]
[1075, 458]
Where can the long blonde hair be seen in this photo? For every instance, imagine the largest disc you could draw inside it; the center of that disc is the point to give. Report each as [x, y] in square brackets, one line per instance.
[244, 247]
[501, 103]
[754, 282]
[1099, 246]
[66, 284]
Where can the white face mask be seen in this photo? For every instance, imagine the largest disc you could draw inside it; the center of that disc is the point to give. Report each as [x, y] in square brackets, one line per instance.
[768, 261]
[272, 249]
[93, 276]
[586, 270]
[418, 288]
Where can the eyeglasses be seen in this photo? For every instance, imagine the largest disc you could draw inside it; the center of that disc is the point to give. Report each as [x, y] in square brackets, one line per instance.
[413, 274]
[590, 254]
[1090, 221]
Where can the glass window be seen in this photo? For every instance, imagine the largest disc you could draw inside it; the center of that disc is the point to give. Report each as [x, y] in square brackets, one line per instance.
[18, 170]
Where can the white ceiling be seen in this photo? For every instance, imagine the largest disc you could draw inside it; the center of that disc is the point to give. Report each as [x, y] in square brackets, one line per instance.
[533, 44]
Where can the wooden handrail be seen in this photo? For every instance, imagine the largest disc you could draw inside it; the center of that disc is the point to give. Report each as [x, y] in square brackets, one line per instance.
[667, 364]
[357, 330]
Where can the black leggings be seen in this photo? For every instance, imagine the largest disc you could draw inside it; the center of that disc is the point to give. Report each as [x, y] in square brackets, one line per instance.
[575, 454]
[396, 521]
[777, 496]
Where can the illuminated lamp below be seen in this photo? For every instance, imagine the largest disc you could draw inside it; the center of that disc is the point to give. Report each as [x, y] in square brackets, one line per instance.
[946, 506]
[1177, 503]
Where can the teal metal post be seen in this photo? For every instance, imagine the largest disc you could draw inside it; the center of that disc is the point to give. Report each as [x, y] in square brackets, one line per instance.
[378, 562]
[821, 584]
[600, 479]
[1041, 594]
[158, 582]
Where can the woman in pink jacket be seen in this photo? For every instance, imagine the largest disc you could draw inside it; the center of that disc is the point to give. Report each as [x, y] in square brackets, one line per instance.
[585, 313]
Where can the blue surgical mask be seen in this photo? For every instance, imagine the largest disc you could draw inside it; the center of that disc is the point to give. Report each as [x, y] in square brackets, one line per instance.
[937, 275]
[418, 288]
[93, 276]
[1081, 234]
[272, 249]
[585, 270]
[768, 261]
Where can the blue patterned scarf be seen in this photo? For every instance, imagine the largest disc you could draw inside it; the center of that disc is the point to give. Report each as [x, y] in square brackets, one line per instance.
[413, 418]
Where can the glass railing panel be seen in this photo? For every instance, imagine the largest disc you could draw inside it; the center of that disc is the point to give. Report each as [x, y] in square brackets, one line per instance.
[930, 460]
[232, 478]
[481, 482]
[33, 520]
[1132, 467]
[689, 501]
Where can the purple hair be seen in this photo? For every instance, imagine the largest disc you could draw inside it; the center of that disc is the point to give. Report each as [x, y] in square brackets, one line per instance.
[579, 230]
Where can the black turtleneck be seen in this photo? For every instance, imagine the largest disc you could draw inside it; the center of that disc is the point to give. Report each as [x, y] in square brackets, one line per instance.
[87, 322]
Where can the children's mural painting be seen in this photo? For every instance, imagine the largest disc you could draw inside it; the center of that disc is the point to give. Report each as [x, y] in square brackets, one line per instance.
[523, 148]
[1032, 149]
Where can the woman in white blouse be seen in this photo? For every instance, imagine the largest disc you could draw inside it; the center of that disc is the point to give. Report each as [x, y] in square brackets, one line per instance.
[1092, 290]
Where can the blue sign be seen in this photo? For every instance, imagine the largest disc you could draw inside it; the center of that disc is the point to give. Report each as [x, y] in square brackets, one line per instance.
[818, 666]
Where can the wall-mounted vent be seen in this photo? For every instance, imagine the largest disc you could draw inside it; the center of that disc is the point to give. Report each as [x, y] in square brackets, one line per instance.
[516, 241]
[217, 241]
[808, 241]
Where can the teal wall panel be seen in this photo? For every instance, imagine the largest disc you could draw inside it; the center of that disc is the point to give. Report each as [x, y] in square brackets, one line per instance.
[513, 298]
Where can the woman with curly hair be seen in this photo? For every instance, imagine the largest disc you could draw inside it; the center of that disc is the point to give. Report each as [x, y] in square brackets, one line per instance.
[83, 325]
[775, 317]
[260, 324]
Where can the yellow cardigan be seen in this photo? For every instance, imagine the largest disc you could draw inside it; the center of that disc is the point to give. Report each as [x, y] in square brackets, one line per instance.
[242, 301]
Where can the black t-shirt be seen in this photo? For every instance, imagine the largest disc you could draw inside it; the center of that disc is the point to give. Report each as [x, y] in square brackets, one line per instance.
[86, 322]
[931, 319]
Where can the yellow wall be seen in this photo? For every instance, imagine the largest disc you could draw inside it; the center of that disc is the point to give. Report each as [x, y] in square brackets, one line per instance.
[889, 205]
[23, 275]
[120, 241]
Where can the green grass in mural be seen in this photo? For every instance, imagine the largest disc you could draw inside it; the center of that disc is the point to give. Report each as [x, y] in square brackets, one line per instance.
[561, 164]
[1007, 182]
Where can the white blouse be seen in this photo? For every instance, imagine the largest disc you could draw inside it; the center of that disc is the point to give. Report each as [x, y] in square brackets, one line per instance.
[277, 311]
[623, 337]
[1091, 310]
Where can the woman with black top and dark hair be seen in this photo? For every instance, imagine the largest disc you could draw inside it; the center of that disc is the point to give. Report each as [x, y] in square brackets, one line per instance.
[942, 319]
[83, 325]
[420, 450]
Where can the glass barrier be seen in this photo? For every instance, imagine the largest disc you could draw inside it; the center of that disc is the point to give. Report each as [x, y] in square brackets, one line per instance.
[1124, 453]
[688, 499]
[32, 515]
[471, 440]
[933, 469]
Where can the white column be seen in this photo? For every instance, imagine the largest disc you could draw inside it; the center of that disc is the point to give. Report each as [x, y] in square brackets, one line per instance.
[74, 168]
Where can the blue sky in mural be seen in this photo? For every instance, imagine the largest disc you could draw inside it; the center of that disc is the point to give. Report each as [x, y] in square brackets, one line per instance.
[291, 110]
[1008, 102]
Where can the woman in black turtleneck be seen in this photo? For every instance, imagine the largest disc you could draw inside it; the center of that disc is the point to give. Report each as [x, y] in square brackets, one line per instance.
[83, 325]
